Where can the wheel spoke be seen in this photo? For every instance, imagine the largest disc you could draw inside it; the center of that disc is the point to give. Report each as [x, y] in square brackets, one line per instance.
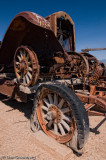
[67, 118]
[29, 74]
[50, 98]
[29, 63]
[55, 128]
[50, 123]
[55, 99]
[18, 76]
[61, 129]
[85, 104]
[25, 54]
[24, 81]
[65, 110]
[66, 126]
[19, 58]
[30, 69]
[17, 63]
[61, 103]
[21, 77]
[45, 116]
[27, 79]
[21, 53]
[45, 108]
[46, 102]
[18, 71]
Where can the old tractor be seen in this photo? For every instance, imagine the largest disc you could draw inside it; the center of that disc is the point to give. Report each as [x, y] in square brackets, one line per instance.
[38, 58]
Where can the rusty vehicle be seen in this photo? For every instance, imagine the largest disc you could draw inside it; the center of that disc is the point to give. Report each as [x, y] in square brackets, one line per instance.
[38, 57]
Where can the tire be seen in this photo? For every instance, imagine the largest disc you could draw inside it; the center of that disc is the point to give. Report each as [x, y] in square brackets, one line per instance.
[80, 122]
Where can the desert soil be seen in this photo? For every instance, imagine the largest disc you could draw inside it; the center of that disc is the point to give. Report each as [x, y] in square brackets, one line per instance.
[16, 138]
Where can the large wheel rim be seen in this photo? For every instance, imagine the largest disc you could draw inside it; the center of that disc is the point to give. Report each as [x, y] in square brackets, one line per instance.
[26, 66]
[84, 66]
[55, 116]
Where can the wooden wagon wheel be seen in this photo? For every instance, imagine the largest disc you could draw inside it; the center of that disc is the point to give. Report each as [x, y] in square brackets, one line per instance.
[57, 113]
[26, 66]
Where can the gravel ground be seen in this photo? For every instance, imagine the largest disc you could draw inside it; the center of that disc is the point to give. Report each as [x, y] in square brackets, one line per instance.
[16, 138]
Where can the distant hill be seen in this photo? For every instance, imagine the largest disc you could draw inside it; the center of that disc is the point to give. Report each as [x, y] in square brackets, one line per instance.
[103, 60]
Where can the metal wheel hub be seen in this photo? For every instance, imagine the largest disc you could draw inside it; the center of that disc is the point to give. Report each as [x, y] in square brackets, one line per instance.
[23, 66]
[54, 114]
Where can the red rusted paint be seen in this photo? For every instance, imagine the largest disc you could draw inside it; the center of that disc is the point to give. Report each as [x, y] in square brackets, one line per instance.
[52, 60]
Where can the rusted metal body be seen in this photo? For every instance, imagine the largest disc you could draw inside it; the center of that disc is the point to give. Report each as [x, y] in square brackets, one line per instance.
[92, 49]
[61, 23]
[29, 29]
[37, 51]
[11, 89]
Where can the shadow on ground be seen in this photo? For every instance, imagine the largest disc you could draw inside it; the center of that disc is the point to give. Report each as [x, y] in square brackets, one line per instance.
[26, 108]
[95, 130]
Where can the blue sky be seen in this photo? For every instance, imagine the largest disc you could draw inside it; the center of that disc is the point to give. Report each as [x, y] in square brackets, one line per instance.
[89, 17]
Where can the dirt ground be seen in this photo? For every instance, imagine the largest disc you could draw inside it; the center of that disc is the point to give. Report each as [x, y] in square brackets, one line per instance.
[16, 138]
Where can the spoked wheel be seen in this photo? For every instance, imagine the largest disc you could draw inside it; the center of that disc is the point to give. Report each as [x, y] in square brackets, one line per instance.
[57, 109]
[55, 113]
[83, 66]
[26, 66]
[95, 69]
